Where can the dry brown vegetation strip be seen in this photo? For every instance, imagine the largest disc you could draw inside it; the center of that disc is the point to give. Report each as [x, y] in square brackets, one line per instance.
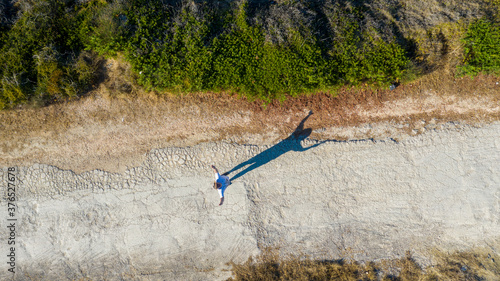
[111, 130]
[477, 264]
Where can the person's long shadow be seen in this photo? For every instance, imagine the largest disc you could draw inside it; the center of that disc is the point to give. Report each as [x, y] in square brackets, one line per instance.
[291, 143]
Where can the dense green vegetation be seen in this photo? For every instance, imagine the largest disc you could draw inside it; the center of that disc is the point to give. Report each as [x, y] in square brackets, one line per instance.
[53, 49]
[482, 47]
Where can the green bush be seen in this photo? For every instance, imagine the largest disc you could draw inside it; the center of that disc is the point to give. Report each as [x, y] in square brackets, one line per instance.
[262, 50]
[482, 48]
[182, 61]
[201, 49]
[243, 61]
[188, 55]
[50, 75]
[182, 46]
[383, 62]
[102, 26]
[358, 56]
[40, 53]
[85, 69]
[149, 23]
[235, 60]
[12, 91]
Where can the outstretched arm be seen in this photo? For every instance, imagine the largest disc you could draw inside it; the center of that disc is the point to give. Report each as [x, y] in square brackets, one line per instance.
[313, 146]
[300, 128]
[215, 169]
[216, 176]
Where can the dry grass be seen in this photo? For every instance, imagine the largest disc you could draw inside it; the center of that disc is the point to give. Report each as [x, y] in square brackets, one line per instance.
[480, 264]
[477, 264]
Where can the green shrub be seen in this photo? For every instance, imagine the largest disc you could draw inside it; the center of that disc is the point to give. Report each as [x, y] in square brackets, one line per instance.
[383, 62]
[194, 46]
[358, 56]
[244, 62]
[12, 91]
[18, 75]
[39, 54]
[202, 49]
[85, 69]
[236, 55]
[482, 48]
[148, 24]
[102, 26]
[183, 60]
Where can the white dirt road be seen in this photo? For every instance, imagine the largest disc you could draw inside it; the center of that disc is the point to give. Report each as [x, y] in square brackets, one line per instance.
[160, 221]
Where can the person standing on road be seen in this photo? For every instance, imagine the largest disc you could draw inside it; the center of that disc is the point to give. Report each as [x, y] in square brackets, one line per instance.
[221, 183]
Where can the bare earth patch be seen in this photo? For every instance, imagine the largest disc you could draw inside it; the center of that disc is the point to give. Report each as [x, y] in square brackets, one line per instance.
[116, 125]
